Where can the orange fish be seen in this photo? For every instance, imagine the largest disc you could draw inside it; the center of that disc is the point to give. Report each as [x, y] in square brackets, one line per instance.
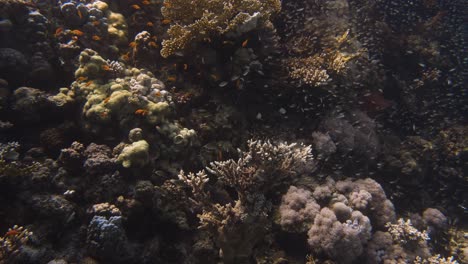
[12, 232]
[126, 56]
[149, 24]
[141, 112]
[88, 83]
[77, 32]
[136, 7]
[214, 77]
[132, 44]
[146, 2]
[58, 31]
[79, 13]
[96, 23]
[244, 44]
[106, 67]
[171, 79]
[106, 100]
[167, 4]
[104, 114]
[158, 94]
[82, 78]
[153, 44]
[166, 21]
[97, 38]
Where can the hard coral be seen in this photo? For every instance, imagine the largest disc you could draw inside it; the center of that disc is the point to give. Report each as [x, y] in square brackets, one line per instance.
[134, 97]
[209, 18]
[244, 218]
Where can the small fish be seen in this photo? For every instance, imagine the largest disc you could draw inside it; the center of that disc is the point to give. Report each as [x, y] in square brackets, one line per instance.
[96, 38]
[214, 77]
[150, 24]
[96, 23]
[58, 31]
[82, 78]
[88, 83]
[106, 67]
[171, 79]
[222, 84]
[12, 232]
[79, 14]
[136, 7]
[245, 42]
[77, 32]
[141, 112]
[104, 114]
[126, 56]
[167, 4]
[153, 44]
[106, 100]
[165, 21]
[146, 2]
[132, 44]
[185, 66]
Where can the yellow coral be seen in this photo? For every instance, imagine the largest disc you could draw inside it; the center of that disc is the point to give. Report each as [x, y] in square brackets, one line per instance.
[315, 69]
[206, 18]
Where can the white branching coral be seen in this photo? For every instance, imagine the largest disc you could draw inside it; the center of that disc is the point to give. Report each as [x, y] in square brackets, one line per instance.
[12, 241]
[436, 259]
[241, 222]
[197, 182]
[403, 232]
[263, 162]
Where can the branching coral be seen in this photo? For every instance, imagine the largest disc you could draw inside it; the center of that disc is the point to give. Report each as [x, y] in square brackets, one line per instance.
[241, 222]
[316, 69]
[207, 18]
[256, 168]
[12, 241]
[404, 232]
[324, 44]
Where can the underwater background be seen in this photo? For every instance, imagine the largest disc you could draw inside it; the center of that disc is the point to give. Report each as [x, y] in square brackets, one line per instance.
[233, 131]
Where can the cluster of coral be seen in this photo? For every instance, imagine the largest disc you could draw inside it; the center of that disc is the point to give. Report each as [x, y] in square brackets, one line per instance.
[209, 131]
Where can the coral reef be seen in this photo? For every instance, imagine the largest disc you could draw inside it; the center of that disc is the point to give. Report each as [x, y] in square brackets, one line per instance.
[108, 108]
[211, 18]
[12, 241]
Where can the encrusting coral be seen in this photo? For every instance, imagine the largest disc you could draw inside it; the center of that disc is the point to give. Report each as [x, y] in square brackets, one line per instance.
[112, 94]
[209, 18]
